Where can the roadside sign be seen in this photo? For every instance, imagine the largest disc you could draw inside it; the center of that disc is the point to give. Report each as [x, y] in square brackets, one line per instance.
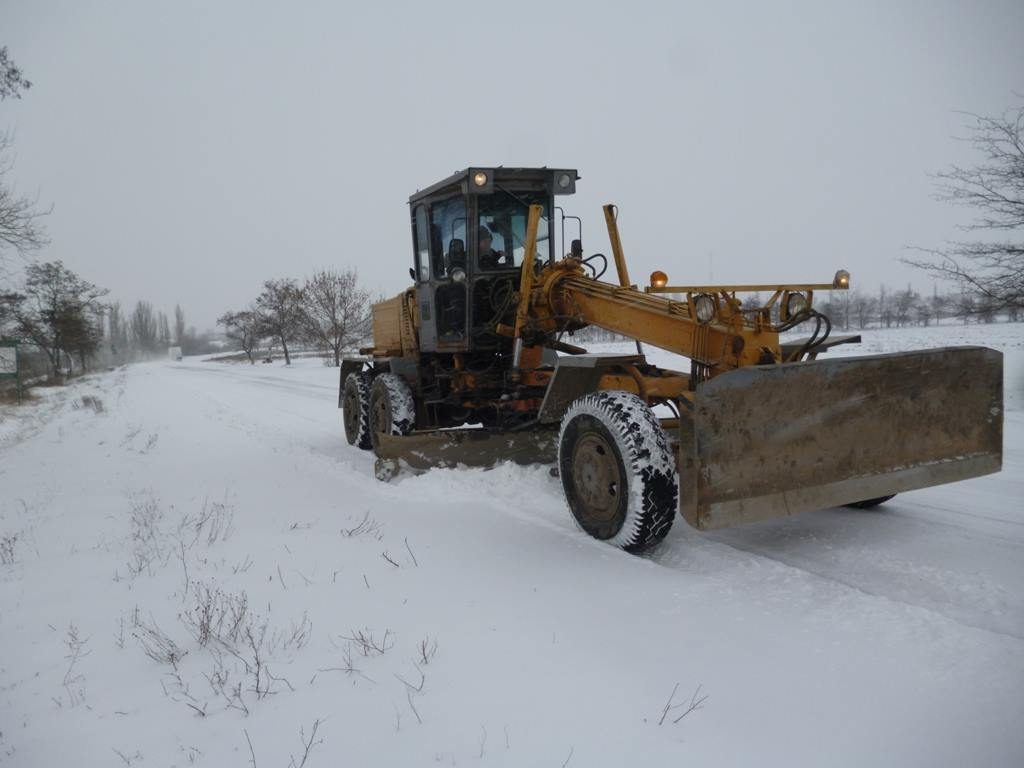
[8, 360]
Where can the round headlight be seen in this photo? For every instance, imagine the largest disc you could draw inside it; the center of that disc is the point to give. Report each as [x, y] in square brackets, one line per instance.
[564, 180]
[841, 280]
[480, 178]
[704, 306]
[459, 275]
[659, 279]
[796, 304]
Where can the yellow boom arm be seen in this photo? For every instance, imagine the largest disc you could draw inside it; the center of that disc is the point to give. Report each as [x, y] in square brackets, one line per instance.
[728, 336]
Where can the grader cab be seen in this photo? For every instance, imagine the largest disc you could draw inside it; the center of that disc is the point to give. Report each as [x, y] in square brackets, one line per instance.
[474, 365]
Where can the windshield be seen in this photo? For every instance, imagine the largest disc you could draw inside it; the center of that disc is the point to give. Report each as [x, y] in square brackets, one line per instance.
[501, 231]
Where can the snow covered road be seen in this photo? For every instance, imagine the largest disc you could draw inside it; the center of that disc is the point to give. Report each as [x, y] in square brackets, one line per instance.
[885, 637]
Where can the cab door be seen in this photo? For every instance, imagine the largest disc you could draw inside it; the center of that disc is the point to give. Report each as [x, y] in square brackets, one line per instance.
[447, 301]
[421, 274]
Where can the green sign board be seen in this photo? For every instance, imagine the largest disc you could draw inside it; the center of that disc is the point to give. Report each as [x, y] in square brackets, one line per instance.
[8, 359]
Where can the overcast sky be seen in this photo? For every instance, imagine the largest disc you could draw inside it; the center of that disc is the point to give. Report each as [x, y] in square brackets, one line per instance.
[192, 150]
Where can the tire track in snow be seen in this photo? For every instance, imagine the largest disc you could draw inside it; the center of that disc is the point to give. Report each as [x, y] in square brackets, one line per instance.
[897, 557]
[821, 574]
[221, 371]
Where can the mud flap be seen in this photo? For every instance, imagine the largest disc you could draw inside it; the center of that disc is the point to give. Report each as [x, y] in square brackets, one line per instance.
[466, 447]
[770, 441]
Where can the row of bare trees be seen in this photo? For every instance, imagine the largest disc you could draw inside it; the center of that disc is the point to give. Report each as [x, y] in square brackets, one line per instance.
[50, 306]
[328, 311]
[888, 308]
[899, 308]
[66, 317]
[147, 332]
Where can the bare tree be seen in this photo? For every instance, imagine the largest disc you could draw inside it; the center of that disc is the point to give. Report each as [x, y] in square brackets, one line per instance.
[83, 332]
[244, 328]
[179, 325]
[8, 303]
[990, 270]
[965, 307]
[281, 312]
[863, 308]
[164, 336]
[939, 305]
[59, 312]
[923, 312]
[987, 309]
[117, 328]
[12, 80]
[20, 228]
[905, 302]
[145, 331]
[335, 310]
[19, 220]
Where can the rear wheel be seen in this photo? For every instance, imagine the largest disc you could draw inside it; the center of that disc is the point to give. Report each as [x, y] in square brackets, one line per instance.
[871, 503]
[618, 470]
[392, 408]
[355, 411]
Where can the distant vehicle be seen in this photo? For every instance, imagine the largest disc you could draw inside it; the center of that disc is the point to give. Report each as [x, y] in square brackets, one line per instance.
[174, 353]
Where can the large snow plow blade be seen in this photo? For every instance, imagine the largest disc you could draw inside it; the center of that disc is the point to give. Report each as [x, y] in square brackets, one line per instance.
[770, 441]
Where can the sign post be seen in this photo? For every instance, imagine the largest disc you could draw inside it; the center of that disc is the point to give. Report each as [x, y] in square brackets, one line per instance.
[9, 363]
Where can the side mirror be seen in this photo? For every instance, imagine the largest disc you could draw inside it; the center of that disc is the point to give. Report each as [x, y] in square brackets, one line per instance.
[412, 274]
[576, 249]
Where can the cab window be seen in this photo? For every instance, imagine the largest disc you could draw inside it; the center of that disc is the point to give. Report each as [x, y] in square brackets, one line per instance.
[501, 229]
[448, 236]
[422, 244]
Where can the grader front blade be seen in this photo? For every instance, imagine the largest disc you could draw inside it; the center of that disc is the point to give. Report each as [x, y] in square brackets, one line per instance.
[770, 441]
[464, 447]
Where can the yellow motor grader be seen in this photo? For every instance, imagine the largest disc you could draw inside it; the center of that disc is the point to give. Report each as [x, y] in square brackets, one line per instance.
[474, 365]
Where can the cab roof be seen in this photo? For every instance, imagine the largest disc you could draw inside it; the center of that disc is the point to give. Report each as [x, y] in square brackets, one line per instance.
[460, 180]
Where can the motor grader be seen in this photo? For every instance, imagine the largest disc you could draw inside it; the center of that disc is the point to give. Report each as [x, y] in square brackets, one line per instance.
[474, 365]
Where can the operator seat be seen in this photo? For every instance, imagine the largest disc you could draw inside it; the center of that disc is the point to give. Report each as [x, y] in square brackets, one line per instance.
[456, 255]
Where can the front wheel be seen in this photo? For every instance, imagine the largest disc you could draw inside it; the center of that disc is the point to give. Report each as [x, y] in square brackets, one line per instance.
[618, 470]
[392, 407]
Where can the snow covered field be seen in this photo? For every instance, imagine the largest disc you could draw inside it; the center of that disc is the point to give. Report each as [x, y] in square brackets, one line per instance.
[195, 568]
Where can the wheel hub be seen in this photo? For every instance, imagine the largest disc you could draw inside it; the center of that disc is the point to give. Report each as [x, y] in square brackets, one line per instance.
[350, 412]
[381, 417]
[597, 478]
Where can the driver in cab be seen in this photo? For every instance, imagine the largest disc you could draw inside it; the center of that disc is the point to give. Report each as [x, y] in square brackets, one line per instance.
[488, 258]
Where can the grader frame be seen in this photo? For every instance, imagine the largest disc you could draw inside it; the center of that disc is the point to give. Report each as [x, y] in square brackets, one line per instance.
[760, 429]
